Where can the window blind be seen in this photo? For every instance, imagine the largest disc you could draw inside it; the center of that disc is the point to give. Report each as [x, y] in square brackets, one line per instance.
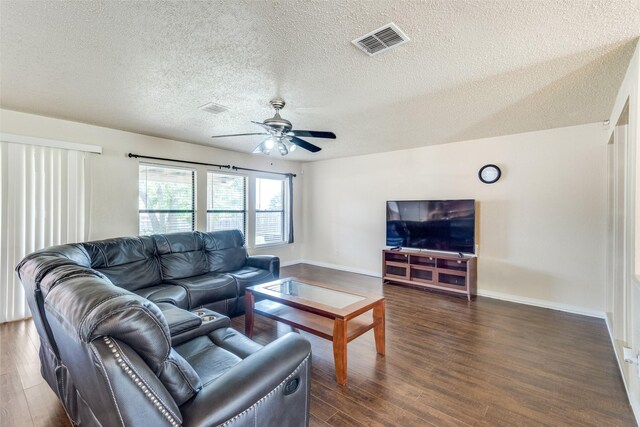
[269, 211]
[166, 199]
[226, 202]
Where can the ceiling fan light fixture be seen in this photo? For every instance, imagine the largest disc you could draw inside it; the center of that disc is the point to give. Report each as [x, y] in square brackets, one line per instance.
[292, 147]
[268, 143]
[282, 148]
[262, 148]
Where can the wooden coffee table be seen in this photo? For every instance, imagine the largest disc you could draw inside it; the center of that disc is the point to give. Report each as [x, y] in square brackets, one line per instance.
[327, 312]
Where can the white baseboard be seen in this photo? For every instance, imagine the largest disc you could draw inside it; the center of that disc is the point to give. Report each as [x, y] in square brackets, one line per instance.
[338, 267]
[489, 294]
[542, 303]
[290, 263]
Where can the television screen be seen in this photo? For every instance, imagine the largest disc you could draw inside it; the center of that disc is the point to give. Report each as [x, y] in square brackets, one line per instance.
[442, 225]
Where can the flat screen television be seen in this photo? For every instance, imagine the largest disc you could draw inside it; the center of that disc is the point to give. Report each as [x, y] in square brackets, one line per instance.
[442, 225]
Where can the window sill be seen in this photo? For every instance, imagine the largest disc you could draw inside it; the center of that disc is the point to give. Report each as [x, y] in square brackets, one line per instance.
[271, 245]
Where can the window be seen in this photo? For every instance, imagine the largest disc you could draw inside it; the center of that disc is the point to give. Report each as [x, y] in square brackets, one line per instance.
[166, 196]
[226, 202]
[270, 217]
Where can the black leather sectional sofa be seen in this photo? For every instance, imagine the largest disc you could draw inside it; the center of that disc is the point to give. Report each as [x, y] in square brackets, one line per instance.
[188, 270]
[134, 331]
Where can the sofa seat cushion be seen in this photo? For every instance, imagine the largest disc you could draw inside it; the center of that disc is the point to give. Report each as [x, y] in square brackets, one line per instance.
[165, 292]
[249, 276]
[207, 359]
[207, 288]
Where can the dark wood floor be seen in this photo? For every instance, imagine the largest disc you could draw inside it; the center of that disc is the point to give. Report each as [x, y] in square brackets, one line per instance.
[448, 362]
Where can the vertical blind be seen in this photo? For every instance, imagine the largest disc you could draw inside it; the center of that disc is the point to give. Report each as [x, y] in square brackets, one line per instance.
[43, 204]
[226, 202]
[166, 199]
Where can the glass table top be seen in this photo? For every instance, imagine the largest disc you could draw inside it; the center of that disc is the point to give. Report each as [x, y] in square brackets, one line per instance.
[329, 297]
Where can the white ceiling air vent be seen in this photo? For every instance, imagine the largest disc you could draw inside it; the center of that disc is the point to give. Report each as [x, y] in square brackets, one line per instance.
[214, 108]
[381, 40]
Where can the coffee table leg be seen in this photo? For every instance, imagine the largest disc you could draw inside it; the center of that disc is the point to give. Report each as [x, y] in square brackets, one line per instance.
[249, 302]
[378, 330]
[340, 349]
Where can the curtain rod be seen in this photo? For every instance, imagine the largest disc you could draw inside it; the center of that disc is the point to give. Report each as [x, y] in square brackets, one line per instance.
[139, 156]
[236, 168]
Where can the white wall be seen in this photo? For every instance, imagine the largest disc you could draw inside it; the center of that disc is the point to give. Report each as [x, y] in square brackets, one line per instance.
[542, 227]
[624, 319]
[114, 177]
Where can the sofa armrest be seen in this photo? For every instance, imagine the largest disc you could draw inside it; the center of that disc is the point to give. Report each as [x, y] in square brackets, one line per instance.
[265, 262]
[211, 321]
[185, 325]
[271, 385]
[178, 319]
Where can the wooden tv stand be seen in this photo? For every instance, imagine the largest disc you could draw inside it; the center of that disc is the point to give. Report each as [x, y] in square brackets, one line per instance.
[432, 270]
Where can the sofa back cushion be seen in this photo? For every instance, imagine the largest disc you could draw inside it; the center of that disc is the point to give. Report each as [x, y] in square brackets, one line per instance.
[129, 262]
[73, 251]
[225, 250]
[181, 254]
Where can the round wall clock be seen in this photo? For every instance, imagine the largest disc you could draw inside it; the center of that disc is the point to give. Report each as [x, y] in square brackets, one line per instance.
[489, 174]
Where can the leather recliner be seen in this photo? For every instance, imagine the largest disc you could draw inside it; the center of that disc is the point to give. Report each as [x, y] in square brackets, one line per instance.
[116, 358]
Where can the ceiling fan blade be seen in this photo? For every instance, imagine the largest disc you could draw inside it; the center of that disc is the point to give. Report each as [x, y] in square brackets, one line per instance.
[312, 134]
[238, 134]
[304, 144]
[267, 127]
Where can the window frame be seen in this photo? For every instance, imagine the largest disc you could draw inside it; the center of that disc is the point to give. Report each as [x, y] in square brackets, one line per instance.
[284, 211]
[193, 211]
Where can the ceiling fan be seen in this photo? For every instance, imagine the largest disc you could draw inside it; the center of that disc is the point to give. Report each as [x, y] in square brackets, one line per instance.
[281, 135]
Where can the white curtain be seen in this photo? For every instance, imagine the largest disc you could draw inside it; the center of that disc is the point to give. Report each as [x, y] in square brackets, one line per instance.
[42, 190]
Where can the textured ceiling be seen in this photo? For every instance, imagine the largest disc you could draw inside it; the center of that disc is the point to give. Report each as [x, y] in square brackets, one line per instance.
[472, 68]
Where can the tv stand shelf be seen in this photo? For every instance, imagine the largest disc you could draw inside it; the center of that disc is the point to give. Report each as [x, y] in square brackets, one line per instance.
[432, 270]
